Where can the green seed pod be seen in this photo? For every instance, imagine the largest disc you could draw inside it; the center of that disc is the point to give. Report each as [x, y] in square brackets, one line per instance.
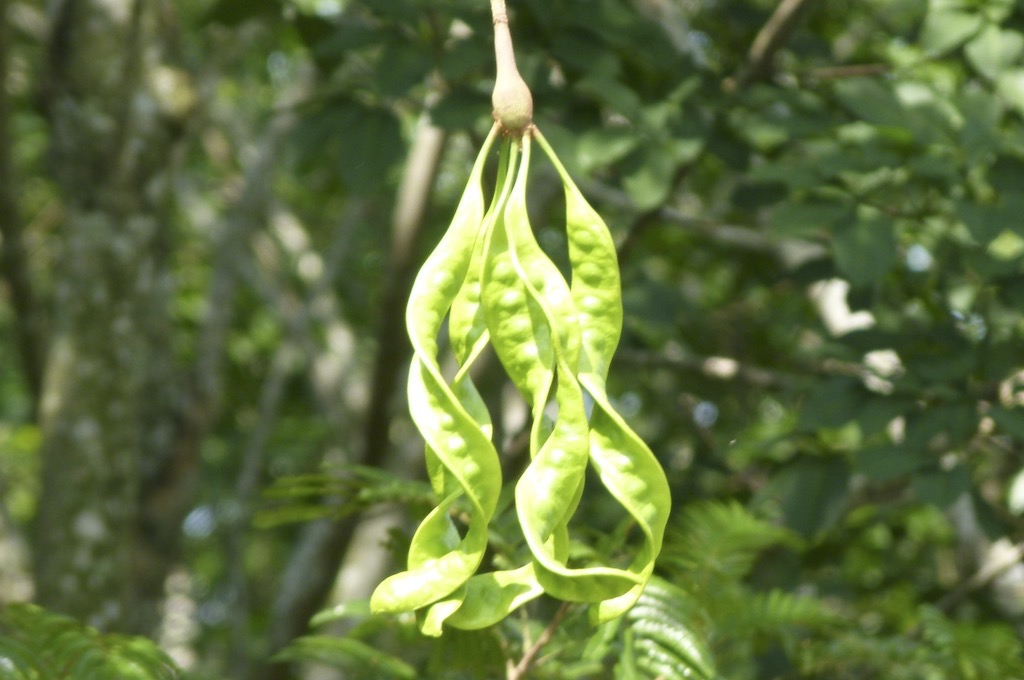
[555, 341]
[462, 461]
[626, 466]
[550, 488]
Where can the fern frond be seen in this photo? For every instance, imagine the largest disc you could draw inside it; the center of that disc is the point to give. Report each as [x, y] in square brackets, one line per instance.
[20, 660]
[664, 637]
[36, 644]
[349, 489]
[774, 615]
[940, 648]
[712, 543]
[974, 650]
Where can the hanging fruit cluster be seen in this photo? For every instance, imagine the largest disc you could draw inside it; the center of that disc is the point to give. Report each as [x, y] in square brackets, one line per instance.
[555, 339]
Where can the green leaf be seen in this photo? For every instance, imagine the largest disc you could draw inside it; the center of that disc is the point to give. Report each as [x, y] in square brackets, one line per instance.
[313, 30]
[755, 195]
[600, 147]
[467, 654]
[649, 176]
[1010, 421]
[941, 355]
[370, 143]
[461, 64]
[351, 609]
[1006, 248]
[984, 221]
[872, 101]
[403, 65]
[888, 462]
[293, 513]
[941, 488]
[345, 38]
[610, 93]
[946, 27]
[813, 492]
[582, 51]
[809, 219]
[957, 420]
[759, 131]
[880, 410]
[981, 111]
[1015, 494]
[994, 49]
[460, 109]
[347, 654]
[364, 142]
[340, 491]
[1010, 86]
[996, 11]
[865, 250]
[833, 403]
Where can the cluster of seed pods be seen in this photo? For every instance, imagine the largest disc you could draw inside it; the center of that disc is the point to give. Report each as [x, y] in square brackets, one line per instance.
[492, 282]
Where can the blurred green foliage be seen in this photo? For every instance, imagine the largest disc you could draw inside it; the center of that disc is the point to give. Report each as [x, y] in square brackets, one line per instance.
[816, 473]
[40, 645]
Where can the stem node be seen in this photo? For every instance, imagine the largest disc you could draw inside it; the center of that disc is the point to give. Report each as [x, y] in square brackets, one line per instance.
[511, 98]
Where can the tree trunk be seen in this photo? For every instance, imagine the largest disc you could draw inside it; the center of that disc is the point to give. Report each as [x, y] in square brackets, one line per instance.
[13, 256]
[108, 394]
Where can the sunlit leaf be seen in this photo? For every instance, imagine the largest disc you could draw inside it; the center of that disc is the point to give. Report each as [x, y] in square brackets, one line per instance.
[993, 49]
[948, 27]
[1010, 85]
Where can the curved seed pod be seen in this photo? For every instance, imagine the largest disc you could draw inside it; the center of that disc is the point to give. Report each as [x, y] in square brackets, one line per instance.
[467, 327]
[522, 335]
[489, 598]
[596, 286]
[461, 457]
[519, 333]
[467, 330]
[550, 488]
[625, 464]
[471, 606]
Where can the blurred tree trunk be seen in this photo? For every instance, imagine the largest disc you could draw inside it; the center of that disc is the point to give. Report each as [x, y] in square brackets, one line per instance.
[108, 394]
[317, 558]
[13, 257]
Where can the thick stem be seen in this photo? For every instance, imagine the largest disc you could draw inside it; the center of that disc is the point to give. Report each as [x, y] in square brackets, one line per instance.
[512, 101]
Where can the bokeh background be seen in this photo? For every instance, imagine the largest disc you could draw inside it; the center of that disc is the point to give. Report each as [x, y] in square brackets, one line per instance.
[211, 211]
